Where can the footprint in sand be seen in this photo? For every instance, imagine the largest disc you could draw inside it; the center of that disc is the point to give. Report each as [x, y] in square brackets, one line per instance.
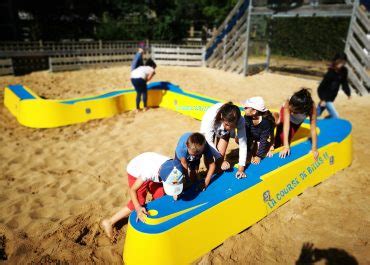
[13, 223]
[16, 160]
[39, 214]
[76, 195]
[81, 238]
[6, 243]
[47, 259]
[81, 233]
[38, 151]
[65, 188]
[3, 255]
[92, 163]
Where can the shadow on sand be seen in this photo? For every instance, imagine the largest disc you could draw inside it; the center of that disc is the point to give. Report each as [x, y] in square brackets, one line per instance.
[330, 256]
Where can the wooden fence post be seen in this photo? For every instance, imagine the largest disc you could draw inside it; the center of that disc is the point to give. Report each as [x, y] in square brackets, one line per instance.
[178, 53]
[204, 56]
[100, 52]
[153, 52]
[268, 56]
[245, 59]
[224, 42]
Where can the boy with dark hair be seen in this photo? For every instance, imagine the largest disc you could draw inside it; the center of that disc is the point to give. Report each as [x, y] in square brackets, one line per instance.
[190, 149]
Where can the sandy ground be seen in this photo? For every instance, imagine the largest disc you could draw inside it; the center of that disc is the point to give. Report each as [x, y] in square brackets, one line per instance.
[57, 184]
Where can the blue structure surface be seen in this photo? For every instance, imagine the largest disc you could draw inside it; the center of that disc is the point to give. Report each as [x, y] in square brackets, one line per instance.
[21, 92]
[226, 185]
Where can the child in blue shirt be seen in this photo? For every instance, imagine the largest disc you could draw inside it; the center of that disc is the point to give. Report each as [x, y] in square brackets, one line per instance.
[190, 149]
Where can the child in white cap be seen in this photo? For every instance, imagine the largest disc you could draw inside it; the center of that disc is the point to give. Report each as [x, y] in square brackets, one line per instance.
[259, 128]
[148, 172]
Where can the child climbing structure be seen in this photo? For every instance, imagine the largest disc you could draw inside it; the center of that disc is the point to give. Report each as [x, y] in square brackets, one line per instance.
[207, 218]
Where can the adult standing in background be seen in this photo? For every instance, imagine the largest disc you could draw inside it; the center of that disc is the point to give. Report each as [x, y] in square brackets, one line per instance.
[139, 78]
[138, 59]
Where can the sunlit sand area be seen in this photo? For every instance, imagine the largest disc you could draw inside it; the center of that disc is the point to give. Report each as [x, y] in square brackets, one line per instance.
[57, 184]
[197, 170]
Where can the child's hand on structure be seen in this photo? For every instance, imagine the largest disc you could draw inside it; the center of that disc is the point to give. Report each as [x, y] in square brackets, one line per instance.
[285, 152]
[256, 160]
[206, 183]
[240, 174]
[270, 153]
[141, 214]
[202, 186]
[225, 165]
[315, 153]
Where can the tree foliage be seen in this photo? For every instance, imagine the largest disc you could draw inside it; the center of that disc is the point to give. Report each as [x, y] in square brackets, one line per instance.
[316, 38]
[121, 19]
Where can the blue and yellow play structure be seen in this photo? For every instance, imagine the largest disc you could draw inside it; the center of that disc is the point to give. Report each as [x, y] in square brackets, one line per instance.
[179, 232]
[33, 111]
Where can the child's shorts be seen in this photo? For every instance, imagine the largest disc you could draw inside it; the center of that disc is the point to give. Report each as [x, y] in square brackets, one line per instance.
[193, 165]
[154, 188]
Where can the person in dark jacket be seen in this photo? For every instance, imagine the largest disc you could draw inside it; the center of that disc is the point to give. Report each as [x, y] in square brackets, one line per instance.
[259, 128]
[335, 78]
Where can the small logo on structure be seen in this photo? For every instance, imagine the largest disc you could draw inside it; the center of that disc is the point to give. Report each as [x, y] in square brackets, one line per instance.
[266, 196]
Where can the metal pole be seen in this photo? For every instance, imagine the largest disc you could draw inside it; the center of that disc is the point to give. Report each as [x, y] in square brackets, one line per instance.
[268, 56]
[224, 51]
[245, 59]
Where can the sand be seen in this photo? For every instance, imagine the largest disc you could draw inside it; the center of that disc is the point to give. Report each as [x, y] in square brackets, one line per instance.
[57, 184]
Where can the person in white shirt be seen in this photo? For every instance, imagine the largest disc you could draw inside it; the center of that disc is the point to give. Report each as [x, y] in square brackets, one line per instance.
[148, 172]
[139, 78]
[219, 123]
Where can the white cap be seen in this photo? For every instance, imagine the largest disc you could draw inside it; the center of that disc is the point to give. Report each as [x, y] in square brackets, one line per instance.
[256, 103]
[172, 177]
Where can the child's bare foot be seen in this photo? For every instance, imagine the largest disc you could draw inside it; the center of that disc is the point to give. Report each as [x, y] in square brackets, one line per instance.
[108, 228]
[136, 110]
[146, 109]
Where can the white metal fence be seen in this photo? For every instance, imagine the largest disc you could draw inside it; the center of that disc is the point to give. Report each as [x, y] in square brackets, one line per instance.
[177, 55]
[77, 55]
[6, 67]
[358, 51]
